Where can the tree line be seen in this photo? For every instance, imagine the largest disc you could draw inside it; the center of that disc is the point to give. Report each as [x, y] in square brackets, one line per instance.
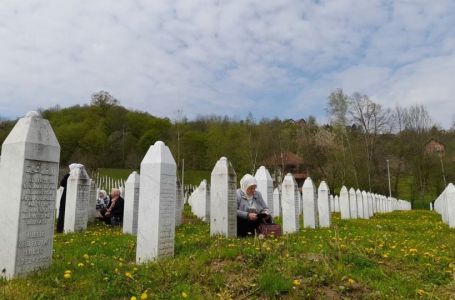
[357, 147]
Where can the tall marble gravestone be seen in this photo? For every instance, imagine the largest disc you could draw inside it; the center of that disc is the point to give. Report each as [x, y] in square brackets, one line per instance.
[366, 214]
[223, 199]
[290, 204]
[77, 200]
[156, 216]
[353, 203]
[324, 205]
[265, 186]
[130, 210]
[276, 203]
[179, 204]
[28, 181]
[344, 203]
[310, 204]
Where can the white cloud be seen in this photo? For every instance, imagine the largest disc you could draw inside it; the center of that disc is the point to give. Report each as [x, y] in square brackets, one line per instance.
[274, 58]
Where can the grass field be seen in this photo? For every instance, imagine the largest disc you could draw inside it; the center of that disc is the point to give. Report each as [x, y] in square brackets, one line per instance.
[396, 255]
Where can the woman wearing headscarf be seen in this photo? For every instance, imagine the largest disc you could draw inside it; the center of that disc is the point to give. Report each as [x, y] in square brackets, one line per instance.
[251, 208]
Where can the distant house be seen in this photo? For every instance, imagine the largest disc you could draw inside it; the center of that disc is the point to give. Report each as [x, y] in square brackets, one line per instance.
[287, 162]
[434, 146]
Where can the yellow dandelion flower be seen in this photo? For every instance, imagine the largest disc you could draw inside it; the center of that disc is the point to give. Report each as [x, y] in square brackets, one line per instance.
[128, 274]
[144, 296]
[86, 256]
[67, 275]
[385, 255]
[421, 292]
[92, 242]
[296, 282]
[351, 281]
[133, 298]
[184, 295]
[80, 265]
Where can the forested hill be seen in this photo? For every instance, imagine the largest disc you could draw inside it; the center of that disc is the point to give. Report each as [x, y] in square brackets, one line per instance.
[352, 150]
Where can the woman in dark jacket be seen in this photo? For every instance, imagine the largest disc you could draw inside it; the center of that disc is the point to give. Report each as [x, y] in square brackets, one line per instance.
[114, 211]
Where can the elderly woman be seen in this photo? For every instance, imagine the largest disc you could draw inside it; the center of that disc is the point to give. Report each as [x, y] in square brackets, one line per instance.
[251, 208]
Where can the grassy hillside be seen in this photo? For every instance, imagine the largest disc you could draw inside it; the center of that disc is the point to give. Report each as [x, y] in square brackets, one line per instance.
[396, 255]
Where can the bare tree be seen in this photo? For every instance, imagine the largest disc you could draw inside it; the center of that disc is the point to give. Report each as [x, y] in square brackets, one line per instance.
[372, 119]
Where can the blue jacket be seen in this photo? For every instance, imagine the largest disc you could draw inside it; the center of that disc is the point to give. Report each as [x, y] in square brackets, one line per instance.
[242, 204]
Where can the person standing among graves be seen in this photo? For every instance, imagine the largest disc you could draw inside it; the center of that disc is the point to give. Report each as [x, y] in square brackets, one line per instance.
[61, 210]
[251, 207]
[114, 211]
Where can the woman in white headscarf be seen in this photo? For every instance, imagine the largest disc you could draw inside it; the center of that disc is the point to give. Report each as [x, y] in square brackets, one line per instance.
[251, 208]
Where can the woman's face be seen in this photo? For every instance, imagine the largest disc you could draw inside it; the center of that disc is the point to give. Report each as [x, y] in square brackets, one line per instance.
[250, 190]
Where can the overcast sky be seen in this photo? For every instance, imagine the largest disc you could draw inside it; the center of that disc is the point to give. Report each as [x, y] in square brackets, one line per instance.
[271, 58]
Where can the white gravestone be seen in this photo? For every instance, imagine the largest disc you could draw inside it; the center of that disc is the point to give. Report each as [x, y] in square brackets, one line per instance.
[324, 205]
[365, 203]
[202, 205]
[130, 210]
[265, 186]
[223, 199]
[289, 203]
[276, 203]
[57, 200]
[353, 203]
[77, 200]
[431, 206]
[358, 195]
[179, 204]
[157, 196]
[450, 205]
[337, 203]
[310, 204]
[92, 213]
[344, 203]
[370, 204]
[28, 181]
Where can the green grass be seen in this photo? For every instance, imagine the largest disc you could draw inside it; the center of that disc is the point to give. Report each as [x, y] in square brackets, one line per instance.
[404, 255]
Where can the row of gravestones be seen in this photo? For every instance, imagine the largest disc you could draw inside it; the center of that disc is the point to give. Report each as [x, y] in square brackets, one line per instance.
[315, 205]
[445, 205]
[28, 180]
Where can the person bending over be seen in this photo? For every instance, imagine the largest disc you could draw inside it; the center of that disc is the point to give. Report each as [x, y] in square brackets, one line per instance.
[251, 208]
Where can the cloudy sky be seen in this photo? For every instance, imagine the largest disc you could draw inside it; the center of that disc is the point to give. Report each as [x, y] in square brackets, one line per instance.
[271, 58]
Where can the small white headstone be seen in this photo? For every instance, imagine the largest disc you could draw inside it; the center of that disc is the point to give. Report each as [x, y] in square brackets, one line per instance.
[77, 200]
[344, 203]
[365, 201]
[276, 203]
[358, 195]
[324, 205]
[337, 203]
[353, 203]
[223, 199]
[265, 186]
[310, 204]
[130, 211]
[179, 204]
[156, 216]
[289, 203]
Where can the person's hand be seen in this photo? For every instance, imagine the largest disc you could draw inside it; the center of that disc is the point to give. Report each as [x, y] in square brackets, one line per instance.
[252, 216]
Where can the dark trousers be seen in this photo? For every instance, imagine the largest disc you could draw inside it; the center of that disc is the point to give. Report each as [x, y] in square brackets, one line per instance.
[246, 227]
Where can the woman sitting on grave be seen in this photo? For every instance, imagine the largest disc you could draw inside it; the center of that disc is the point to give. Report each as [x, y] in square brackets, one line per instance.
[251, 208]
[113, 214]
[102, 201]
